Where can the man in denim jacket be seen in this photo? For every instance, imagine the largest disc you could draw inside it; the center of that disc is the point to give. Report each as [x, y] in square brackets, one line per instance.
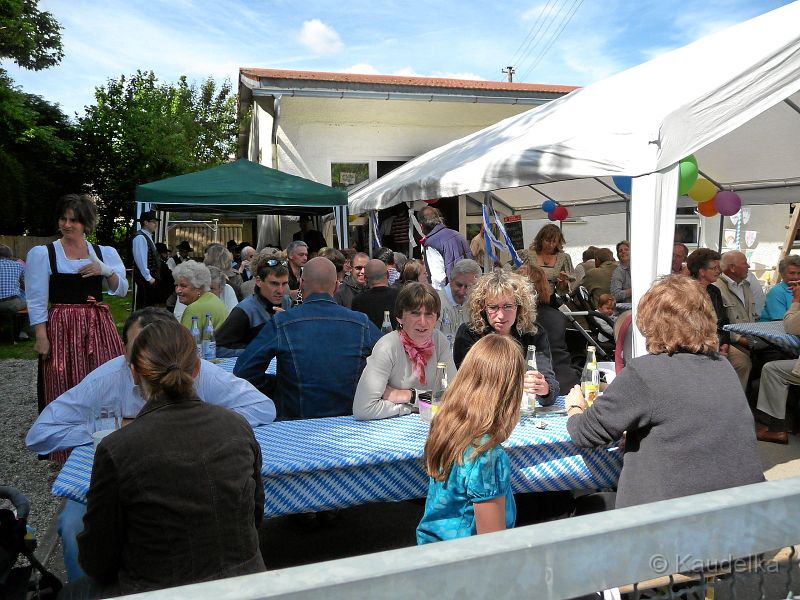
[321, 349]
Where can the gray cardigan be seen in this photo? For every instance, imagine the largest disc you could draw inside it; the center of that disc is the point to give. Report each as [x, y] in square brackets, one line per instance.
[689, 427]
[389, 365]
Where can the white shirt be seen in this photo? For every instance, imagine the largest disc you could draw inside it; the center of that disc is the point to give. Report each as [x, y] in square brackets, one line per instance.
[140, 253]
[37, 276]
[436, 270]
[64, 423]
[757, 291]
[736, 288]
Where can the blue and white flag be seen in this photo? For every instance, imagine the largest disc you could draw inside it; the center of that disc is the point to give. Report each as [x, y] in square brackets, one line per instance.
[514, 257]
[489, 239]
[376, 232]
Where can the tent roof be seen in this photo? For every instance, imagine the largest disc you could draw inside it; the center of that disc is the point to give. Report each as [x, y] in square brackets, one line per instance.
[240, 187]
[730, 98]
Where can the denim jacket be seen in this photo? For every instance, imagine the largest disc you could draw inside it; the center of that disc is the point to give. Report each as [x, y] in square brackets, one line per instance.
[321, 349]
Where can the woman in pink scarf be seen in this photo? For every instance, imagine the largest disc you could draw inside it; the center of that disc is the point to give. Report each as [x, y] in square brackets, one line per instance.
[403, 363]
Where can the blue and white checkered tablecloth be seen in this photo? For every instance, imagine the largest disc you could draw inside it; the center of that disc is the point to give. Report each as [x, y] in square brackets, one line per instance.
[321, 464]
[229, 363]
[769, 331]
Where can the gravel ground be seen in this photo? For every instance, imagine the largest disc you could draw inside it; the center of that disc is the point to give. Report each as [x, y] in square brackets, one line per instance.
[20, 467]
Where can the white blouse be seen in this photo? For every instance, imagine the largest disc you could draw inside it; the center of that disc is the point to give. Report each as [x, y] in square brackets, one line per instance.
[37, 276]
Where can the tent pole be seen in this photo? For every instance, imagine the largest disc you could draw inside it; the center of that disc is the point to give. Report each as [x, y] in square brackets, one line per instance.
[370, 231]
[719, 240]
[487, 200]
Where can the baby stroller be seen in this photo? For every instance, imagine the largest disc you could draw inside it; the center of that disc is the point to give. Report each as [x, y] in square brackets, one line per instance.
[20, 582]
[596, 328]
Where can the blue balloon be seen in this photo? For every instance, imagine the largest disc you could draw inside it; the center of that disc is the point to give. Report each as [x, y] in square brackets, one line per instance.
[548, 206]
[623, 183]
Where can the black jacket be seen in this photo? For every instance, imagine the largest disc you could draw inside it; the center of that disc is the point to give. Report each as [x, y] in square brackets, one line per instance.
[466, 338]
[555, 324]
[374, 301]
[176, 498]
[721, 312]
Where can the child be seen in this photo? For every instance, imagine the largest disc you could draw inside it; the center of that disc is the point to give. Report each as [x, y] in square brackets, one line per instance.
[606, 305]
[469, 489]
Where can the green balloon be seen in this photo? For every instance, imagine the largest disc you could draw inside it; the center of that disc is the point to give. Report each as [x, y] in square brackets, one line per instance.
[687, 174]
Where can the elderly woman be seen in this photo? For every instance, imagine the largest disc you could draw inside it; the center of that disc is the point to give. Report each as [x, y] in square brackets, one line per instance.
[504, 303]
[192, 286]
[77, 333]
[176, 496]
[403, 362]
[621, 287]
[413, 271]
[554, 324]
[217, 255]
[689, 428]
[703, 265]
[547, 251]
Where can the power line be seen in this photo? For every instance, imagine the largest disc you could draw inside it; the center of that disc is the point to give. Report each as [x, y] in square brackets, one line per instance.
[545, 25]
[576, 5]
[531, 32]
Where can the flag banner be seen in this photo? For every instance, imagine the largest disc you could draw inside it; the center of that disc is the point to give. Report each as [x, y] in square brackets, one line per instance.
[376, 233]
[511, 250]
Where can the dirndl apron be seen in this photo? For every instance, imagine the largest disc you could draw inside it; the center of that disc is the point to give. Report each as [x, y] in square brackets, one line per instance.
[81, 331]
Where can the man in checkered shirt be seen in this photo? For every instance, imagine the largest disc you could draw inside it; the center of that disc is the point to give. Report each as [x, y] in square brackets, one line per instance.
[11, 283]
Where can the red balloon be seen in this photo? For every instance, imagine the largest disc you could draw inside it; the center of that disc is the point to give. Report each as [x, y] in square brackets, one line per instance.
[560, 213]
[552, 215]
[707, 208]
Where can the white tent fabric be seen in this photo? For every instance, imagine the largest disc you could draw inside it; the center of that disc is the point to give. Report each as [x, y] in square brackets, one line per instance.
[640, 122]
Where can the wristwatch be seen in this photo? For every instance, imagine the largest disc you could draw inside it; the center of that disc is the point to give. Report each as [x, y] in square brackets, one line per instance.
[413, 397]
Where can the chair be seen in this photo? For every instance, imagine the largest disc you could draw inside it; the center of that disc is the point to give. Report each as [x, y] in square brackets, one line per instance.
[623, 340]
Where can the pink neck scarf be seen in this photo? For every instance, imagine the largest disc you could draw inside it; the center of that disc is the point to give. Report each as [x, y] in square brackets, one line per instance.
[418, 355]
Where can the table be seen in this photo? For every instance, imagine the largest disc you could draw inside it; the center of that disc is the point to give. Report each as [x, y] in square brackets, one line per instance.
[320, 464]
[229, 363]
[772, 332]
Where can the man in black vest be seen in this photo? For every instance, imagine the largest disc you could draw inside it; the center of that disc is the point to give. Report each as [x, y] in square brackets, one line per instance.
[146, 271]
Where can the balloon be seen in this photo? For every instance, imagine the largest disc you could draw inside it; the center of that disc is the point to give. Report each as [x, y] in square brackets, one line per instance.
[727, 203]
[560, 213]
[687, 174]
[552, 215]
[623, 183]
[702, 190]
[707, 208]
[548, 206]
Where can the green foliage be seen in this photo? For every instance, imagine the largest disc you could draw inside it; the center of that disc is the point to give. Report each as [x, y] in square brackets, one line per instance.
[141, 130]
[28, 36]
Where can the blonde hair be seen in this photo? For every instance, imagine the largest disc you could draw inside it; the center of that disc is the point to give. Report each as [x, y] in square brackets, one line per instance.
[217, 255]
[498, 283]
[676, 315]
[165, 358]
[483, 400]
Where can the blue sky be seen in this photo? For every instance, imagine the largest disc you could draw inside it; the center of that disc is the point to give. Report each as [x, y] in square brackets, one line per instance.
[107, 38]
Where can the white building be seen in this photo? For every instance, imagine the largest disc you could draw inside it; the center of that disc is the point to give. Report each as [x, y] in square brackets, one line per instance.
[342, 129]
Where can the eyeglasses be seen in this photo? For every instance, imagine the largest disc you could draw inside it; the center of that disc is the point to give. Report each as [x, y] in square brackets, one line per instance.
[274, 262]
[496, 308]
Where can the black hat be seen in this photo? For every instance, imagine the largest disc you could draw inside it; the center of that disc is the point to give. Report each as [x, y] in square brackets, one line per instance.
[162, 247]
[148, 215]
[184, 246]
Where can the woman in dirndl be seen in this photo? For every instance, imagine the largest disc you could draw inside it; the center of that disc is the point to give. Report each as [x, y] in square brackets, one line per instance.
[77, 333]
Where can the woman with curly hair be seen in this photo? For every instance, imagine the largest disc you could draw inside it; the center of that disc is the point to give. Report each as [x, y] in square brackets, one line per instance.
[547, 252]
[505, 303]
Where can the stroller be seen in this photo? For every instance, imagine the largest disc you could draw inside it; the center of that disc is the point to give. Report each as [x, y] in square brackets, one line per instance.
[20, 582]
[594, 327]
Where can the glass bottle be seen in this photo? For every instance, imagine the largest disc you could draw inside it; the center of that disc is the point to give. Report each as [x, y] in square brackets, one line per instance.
[209, 340]
[528, 405]
[590, 378]
[439, 387]
[195, 331]
[386, 326]
[446, 327]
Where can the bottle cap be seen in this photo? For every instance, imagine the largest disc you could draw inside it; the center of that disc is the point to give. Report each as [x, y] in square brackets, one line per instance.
[441, 365]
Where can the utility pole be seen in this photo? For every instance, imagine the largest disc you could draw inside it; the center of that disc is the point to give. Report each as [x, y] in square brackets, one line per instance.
[510, 72]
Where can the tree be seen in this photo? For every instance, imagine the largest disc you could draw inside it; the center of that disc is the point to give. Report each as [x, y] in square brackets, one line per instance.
[141, 130]
[28, 36]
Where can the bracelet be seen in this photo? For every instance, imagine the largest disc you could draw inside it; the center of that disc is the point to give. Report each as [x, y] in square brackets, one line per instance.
[575, 406]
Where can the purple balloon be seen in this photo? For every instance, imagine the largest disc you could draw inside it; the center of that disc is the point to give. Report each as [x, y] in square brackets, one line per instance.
[727, 203]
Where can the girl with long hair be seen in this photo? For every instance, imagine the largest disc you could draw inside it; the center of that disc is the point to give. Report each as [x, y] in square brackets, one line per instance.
[469, 490]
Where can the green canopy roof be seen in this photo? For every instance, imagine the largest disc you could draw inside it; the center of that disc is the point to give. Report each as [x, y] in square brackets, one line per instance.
[240, 187]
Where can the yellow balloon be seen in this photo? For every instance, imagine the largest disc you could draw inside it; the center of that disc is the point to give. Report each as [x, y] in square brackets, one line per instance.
[702, 190]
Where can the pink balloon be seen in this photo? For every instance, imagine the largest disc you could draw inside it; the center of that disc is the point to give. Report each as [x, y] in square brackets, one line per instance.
[727, 203]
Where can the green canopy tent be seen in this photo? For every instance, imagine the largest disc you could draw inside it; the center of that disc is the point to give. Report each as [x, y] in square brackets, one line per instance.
[240, 187]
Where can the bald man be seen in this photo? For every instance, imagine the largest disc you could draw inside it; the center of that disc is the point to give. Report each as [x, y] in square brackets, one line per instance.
[378, 297]
[321, 349]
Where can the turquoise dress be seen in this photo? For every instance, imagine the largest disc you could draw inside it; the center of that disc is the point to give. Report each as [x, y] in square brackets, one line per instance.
[449, 511]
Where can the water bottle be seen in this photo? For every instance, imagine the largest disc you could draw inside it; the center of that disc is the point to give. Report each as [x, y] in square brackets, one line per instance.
[528, 405]
[386, 326]
[446, 328]
[590, 378]
[195, 331]
[209, 341]
[439, 387]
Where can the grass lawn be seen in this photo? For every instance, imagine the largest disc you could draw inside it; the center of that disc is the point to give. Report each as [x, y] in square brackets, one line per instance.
[120, 309]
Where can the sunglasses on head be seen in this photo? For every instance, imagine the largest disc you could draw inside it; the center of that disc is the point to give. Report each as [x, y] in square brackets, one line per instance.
[274, 262]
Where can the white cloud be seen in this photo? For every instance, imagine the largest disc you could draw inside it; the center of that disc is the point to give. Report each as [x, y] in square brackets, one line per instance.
[406, 72]
[460, 75]
[540, 10]
[363, 69]
[320, 38]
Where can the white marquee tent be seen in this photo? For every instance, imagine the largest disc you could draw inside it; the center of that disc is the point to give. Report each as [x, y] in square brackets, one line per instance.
[730, 98]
